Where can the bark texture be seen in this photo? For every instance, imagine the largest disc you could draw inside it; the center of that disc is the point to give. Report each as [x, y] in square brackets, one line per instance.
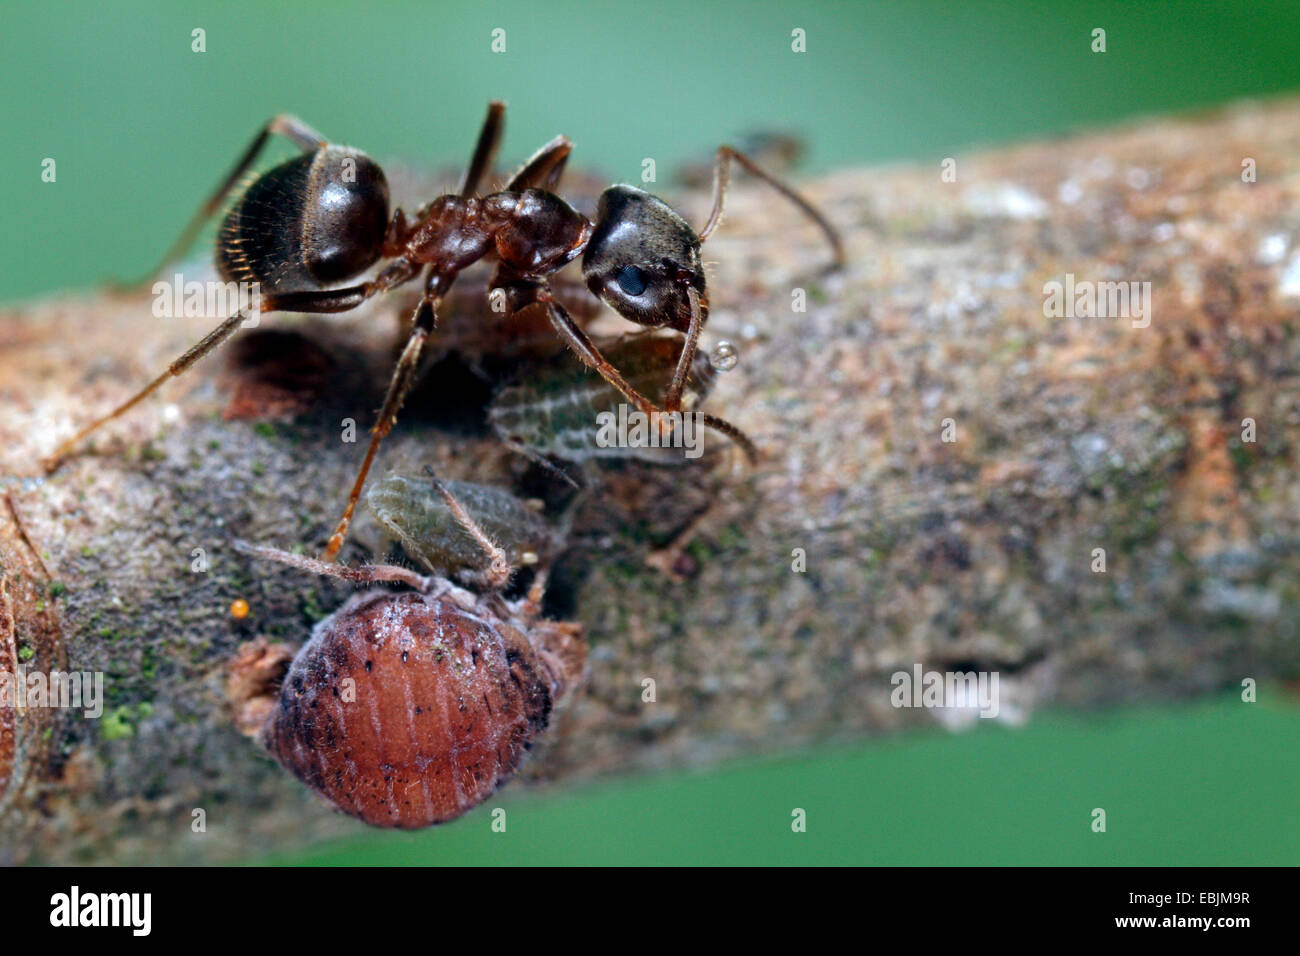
[1071, 434]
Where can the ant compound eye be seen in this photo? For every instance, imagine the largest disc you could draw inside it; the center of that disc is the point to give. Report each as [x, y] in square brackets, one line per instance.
[631, 280]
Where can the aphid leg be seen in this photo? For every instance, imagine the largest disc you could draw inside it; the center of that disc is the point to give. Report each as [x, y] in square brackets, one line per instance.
[544, 168]
[532, 606]
[498, 570]
[517, 446]
[489, 138]
[333, 300]
[721, 178]
[22, 534]
[361, 574]
[666, 559]
[290, 127]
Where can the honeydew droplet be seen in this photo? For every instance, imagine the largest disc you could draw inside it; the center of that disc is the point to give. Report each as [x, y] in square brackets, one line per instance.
[724, 357]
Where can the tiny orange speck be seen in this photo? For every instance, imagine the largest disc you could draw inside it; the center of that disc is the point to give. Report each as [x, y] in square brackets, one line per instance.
[239, 609]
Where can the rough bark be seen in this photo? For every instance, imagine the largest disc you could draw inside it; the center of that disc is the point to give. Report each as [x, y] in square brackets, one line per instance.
[1072, 434]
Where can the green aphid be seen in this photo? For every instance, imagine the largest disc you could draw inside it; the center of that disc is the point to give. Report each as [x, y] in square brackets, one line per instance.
[418, 516]
[554, 409]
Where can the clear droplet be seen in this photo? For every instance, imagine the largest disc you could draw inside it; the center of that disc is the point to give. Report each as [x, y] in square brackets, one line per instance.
[724, 357]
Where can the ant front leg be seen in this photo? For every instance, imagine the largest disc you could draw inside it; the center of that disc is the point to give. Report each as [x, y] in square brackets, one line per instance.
[673, 400]
[291, 128]
[584, 347]
[522, 293]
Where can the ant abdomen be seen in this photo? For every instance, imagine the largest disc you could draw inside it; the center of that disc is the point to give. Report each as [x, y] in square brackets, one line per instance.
[312, 221]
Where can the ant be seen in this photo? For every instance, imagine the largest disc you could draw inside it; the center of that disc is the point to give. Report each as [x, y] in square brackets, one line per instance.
[322, 218]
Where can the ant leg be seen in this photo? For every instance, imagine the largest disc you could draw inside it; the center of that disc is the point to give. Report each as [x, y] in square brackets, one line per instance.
[544, 169]
[209, 342]
[422, 324]
[589, 354]
[489, 138]
[290, 127]
[498, 571]
[586, 350]
[334, 300]
[721, 178]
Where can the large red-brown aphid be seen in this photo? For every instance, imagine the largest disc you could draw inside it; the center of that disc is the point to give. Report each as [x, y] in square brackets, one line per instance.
[409, 708]
[322, 219]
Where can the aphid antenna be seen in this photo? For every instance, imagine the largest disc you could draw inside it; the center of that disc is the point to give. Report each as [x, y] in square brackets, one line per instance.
[497, 573]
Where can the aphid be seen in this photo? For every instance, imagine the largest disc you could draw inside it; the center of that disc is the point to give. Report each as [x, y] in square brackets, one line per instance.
[552, 410]
[322, 219]
[409, 708]
[414, 511]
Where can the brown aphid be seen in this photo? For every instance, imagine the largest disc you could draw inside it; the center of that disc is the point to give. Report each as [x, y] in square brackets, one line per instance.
[407, 709]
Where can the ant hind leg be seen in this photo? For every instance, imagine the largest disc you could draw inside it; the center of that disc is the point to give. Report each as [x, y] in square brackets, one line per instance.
[485, 151]
[290, 127]
[209, 342]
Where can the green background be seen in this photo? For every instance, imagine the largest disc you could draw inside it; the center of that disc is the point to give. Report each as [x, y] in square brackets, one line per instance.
[142, 128]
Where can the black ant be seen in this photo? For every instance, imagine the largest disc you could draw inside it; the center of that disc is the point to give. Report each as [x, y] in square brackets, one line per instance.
[322, 218]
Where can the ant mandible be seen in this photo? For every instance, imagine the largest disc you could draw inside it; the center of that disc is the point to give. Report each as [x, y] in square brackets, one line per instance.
[303, 227]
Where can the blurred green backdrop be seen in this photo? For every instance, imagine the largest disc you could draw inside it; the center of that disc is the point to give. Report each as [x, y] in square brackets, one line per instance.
[141, 128]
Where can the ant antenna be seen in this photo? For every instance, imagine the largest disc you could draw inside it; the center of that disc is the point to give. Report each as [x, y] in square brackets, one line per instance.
[498, 571]
[735, 434]
[721, 178]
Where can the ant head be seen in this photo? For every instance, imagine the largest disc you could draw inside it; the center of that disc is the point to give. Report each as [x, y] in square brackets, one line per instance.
[642, 258]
